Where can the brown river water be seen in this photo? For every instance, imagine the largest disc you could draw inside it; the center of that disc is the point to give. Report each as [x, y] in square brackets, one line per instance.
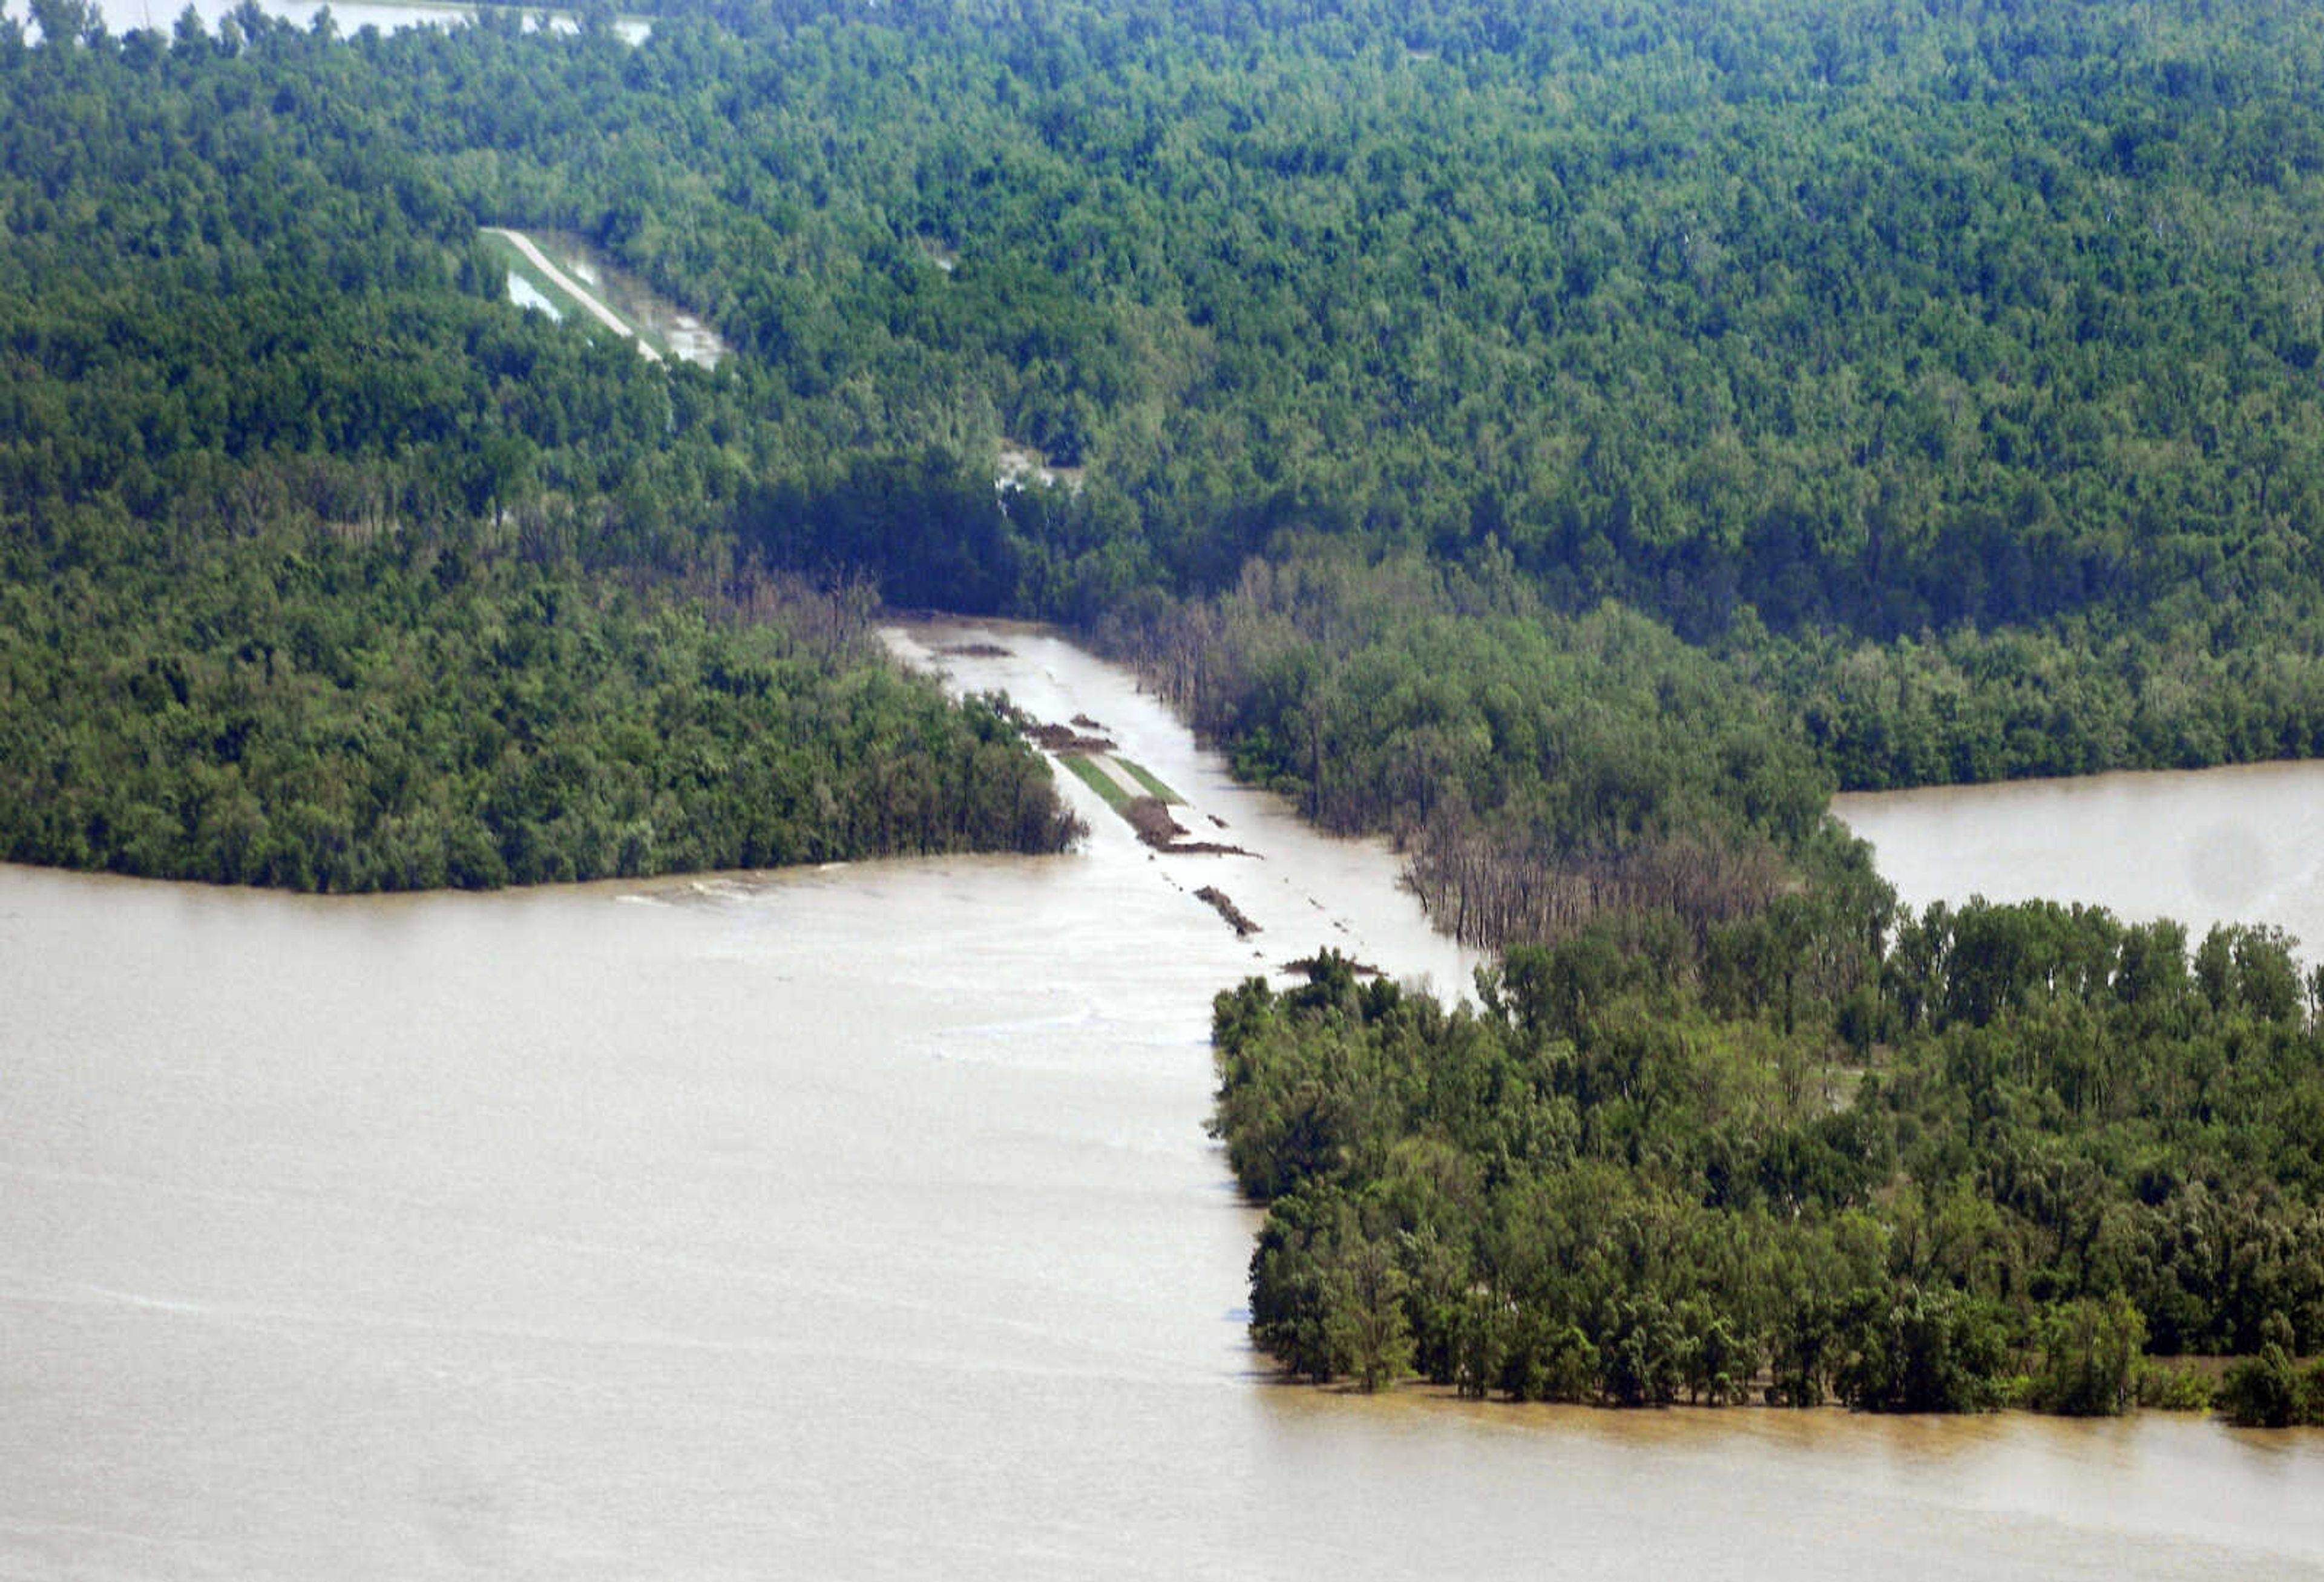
[2234, 845]
[851, 1223]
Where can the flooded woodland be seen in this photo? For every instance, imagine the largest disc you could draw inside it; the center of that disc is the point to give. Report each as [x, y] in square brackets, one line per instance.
[853, 1222]
[1570, 440]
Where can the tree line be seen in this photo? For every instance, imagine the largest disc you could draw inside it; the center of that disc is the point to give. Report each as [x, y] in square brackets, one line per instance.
[1863, 320]
[1570, 442]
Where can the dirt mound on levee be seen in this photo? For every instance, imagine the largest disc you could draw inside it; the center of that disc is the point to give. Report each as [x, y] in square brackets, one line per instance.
[1150, 817]
[1064, 739]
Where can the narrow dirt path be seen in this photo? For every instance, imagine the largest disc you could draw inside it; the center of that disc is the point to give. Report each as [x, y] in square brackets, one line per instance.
[573, 288]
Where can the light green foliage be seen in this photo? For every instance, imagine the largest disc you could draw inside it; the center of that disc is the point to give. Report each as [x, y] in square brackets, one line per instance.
[2164, 1388]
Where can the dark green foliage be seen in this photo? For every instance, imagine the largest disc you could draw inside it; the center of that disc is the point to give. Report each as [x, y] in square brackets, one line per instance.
[1969, 353]
[295, 709]
[1951, 369]
[2262, 1391]
[1912, 1348]
[2269, 1390]
[1541, 771]
[2063, 1152]
[1947, 377]
[2090, 1353]
[1950, 374]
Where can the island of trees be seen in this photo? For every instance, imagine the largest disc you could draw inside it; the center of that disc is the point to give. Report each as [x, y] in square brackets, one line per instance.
[1572, 442]
[1991, 1159]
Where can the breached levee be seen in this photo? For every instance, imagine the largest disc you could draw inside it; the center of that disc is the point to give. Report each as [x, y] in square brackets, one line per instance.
[1171, 800]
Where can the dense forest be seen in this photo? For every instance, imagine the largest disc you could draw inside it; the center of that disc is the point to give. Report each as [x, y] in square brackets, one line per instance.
[1945, 377]
[278, 710]
[1991, 1160]
[1573, 442]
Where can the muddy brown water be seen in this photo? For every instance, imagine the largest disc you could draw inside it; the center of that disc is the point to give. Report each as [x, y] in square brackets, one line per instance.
[2244, 844]
[853, 1223]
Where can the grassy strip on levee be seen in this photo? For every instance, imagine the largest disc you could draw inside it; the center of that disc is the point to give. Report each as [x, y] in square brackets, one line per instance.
[1145, 776]
[1099, 781]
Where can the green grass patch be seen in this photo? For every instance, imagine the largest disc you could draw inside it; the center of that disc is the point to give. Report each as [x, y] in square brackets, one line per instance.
[1154, 787]
[1099, 781]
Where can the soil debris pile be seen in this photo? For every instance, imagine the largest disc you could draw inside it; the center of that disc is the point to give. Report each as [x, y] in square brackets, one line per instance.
[1150, 817]
[1064, 740]
[1218, 902]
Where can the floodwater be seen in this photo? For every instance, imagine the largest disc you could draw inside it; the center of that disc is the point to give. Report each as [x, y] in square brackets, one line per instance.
[2233, 845]
[847, 1223]
[348, 16]
[525, 294]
